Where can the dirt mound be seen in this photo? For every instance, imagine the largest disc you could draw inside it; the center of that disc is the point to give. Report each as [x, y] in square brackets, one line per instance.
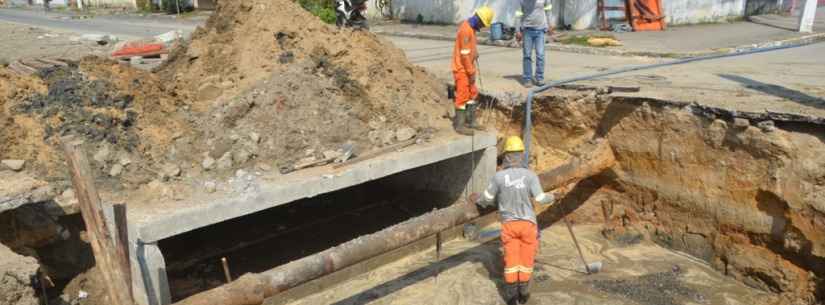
[300, 80]
[16, 273]
[263, 83]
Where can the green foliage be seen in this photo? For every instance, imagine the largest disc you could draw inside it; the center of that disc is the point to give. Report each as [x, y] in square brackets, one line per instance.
[324, 9]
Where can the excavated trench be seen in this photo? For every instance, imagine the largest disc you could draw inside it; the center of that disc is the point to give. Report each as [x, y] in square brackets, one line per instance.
[744, 192]
[276, 236]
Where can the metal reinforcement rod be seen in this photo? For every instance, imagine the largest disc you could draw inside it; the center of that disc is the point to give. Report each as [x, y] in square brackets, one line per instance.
[528, 107]
[253, 289]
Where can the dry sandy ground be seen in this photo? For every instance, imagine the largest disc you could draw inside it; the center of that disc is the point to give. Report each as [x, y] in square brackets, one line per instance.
[470, 273]
[23, 42]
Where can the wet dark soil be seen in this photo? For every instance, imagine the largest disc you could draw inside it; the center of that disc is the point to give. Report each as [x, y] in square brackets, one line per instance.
[662, 288]
[78, 105]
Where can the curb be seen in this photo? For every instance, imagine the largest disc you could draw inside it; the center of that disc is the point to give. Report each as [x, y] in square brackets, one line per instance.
[797, 41]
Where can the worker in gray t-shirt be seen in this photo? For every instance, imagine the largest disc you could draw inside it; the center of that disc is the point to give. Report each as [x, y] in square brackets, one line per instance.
[512, 188]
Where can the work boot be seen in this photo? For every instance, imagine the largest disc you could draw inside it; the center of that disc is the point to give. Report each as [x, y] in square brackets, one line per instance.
[459, 121]
[511, 295]
[523, 292]
[471, 117]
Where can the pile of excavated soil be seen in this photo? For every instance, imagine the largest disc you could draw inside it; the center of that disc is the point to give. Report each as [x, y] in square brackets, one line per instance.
[263, 84]
[16, 273]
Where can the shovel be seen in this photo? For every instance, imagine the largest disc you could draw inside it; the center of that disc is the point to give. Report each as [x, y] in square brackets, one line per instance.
[592, 268]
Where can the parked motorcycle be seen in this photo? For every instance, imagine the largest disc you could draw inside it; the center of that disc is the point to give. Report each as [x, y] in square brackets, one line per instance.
[351, 13]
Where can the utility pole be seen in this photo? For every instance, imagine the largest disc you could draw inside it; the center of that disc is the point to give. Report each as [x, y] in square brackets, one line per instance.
[806, 19]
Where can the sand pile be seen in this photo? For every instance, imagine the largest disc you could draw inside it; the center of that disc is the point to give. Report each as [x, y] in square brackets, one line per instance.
[262, 85]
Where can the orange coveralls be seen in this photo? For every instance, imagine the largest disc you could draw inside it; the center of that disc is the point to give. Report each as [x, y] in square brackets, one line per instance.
[520, 240]
[464, 55]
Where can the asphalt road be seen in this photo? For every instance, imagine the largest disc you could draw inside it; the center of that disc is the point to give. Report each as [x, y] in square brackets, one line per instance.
[783, 81]
[125, 27]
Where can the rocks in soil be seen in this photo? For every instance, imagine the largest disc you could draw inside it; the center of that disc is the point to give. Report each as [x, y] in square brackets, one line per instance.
[16, 274]
[210, 186]
[170, 171]
[116, 170]
[404, 134]
[331, 154]
[76, 104]
[102, 155]
[241, 156]
[255, 137]
[208, 163]
[15, 165]
[766, 126]
[225, 162]
[741, 123]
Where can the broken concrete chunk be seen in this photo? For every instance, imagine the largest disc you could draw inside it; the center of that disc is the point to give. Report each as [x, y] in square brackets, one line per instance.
[374, 125]
[374, 137]
[264, 167]
[208, 163]
[255, 137]
[210, 186]
[169, 37]
[386, 137]
[100, 39]
[766, 126]
[102, 155]
[136, 60]
[741, 123]
[171, 170]
[208, 92]
[240, 156]
[331, 154]
[404, 134]
[116, 170]
[124, 160]
[15, 165]
[225, 162]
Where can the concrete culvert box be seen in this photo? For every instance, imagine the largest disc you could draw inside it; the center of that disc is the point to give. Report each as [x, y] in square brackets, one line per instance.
[272, 237]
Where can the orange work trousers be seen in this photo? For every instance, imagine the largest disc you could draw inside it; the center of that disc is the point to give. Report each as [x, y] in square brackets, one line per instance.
[464, 90]
[520, 240]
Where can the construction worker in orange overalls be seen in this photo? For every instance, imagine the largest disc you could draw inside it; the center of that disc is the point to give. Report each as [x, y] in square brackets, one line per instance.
[465, 54]
[512, 188]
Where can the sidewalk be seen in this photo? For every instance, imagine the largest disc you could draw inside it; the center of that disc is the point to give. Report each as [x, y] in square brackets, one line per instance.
[675, 42]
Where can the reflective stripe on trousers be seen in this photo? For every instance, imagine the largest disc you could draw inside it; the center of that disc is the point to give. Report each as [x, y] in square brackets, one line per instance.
[520, 241]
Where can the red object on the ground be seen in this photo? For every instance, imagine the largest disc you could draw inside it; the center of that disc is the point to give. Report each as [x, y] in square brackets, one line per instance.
[646, 15]
[140, 49]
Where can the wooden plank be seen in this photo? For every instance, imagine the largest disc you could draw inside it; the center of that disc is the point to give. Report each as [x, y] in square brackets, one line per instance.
[107, 259]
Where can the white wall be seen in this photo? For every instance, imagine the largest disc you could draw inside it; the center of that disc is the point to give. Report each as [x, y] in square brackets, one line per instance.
[580, 14]
[700, 11]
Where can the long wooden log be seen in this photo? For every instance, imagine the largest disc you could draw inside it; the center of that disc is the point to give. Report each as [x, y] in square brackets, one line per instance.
[253, 289]
[109, 253]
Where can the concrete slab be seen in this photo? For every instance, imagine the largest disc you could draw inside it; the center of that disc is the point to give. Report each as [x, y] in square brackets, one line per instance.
[150, 224]
[262, 194]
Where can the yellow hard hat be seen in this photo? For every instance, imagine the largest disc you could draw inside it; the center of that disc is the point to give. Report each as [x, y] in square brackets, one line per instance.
[513, 144]
[486, 14]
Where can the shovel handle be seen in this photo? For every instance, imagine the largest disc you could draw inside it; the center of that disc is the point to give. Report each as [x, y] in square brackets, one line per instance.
[576, 242]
